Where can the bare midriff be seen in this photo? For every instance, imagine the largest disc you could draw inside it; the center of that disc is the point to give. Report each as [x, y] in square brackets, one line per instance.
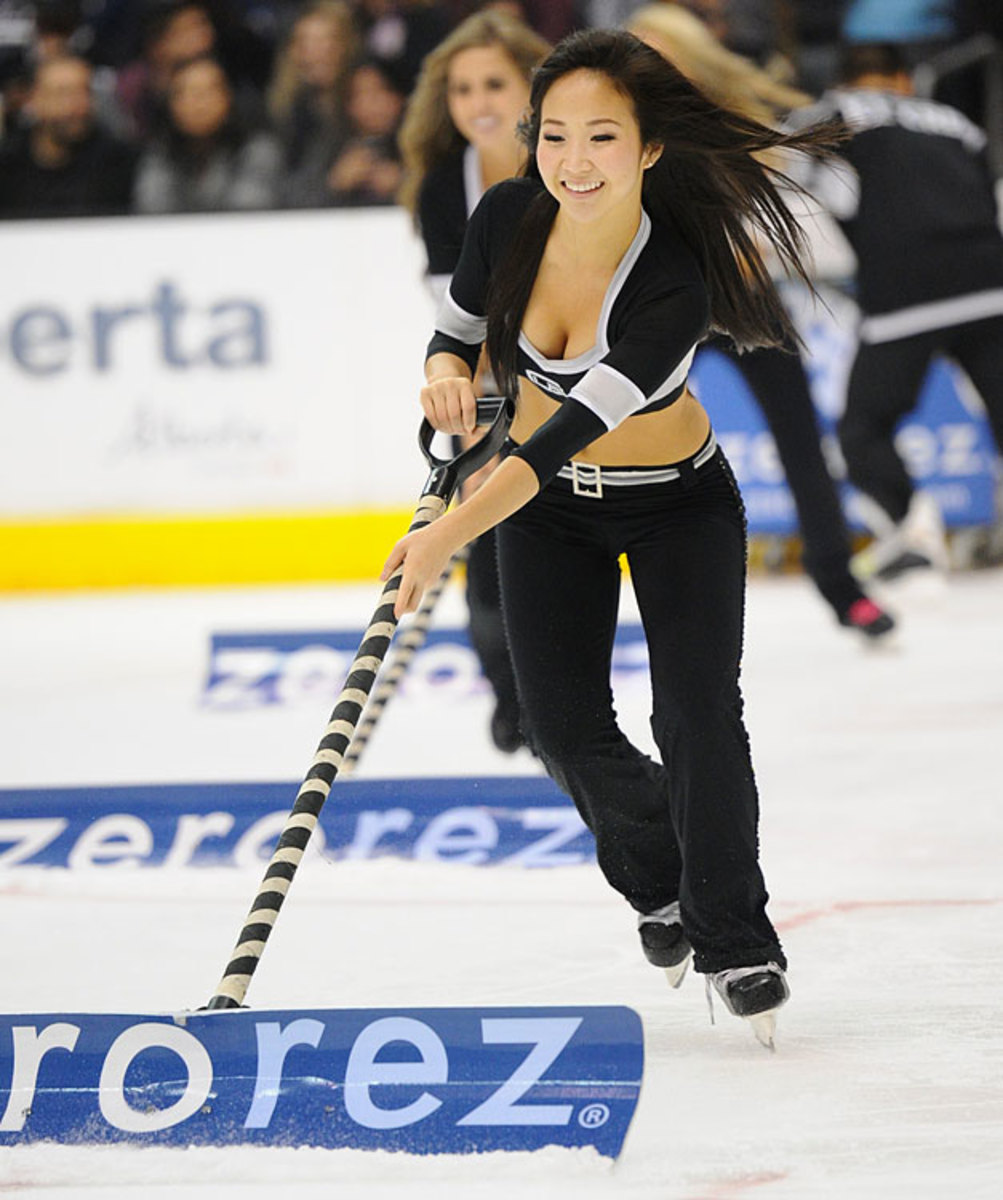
[646, 440]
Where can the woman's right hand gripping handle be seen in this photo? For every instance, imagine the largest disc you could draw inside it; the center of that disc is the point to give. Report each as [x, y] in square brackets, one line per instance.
[450, 403]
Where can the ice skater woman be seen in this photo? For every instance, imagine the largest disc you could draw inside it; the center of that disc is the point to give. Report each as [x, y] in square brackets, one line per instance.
[591, 280]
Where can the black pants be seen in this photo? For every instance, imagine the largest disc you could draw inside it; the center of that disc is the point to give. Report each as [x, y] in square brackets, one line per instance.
[780, 387]
[487, 630]
[884, 386]
[686, 830]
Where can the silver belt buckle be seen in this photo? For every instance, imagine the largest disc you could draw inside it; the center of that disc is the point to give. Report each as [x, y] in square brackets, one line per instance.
[586, 480]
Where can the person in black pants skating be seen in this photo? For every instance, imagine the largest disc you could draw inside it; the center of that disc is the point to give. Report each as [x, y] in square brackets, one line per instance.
[913, 194]
[588, 281]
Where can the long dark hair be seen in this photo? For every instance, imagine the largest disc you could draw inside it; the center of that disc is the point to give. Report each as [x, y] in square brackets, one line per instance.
[711, 183]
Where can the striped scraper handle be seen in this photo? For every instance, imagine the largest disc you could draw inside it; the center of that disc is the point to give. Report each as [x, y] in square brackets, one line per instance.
[327, 762]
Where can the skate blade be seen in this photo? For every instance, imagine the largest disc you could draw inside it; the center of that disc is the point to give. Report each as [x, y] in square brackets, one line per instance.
[887, 643]
[764, 1026]
[676, 974]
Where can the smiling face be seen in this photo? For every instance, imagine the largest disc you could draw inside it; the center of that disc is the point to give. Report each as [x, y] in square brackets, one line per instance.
[486, 94]
[589, 151]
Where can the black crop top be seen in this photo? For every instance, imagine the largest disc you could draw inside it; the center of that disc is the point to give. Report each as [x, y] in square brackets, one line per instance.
[654, 313]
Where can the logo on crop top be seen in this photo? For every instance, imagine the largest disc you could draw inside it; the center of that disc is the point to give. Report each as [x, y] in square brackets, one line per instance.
[546, 384]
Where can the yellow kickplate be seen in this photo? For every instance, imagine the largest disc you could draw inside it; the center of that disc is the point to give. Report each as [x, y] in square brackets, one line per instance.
[243, 548]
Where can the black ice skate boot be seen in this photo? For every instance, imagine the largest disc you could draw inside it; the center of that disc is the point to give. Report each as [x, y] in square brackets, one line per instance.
[868, 618]
[664, 943]
[754, 993]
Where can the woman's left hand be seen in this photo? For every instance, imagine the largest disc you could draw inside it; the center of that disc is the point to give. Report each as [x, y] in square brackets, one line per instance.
[423, 555]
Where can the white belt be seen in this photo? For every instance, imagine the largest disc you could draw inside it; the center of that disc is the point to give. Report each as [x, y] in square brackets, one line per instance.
[587, 479]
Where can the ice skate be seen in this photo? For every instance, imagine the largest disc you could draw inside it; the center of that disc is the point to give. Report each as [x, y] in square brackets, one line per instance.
[505, 731]
[755, 993]
[867, 618]
[917, 543]
[664, 943]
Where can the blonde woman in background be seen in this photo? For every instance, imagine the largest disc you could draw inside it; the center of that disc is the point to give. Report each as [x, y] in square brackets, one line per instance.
[458, 139]
[775, 377]
[306, 98]
[459, 133]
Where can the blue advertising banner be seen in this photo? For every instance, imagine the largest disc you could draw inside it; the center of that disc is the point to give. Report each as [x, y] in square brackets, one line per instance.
[519, 821]
[424, 1081]
[949, 450]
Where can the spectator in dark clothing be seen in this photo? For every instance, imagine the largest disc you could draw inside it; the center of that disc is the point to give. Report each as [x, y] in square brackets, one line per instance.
[63, 164]
[368, 170]
[207, 161]
[31, 34]
[174, 32]
[172, 35]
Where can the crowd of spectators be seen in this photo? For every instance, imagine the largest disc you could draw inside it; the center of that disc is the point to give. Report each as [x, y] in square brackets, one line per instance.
[163, 106]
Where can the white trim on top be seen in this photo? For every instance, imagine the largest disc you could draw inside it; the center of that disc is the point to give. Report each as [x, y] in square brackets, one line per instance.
[588, 358]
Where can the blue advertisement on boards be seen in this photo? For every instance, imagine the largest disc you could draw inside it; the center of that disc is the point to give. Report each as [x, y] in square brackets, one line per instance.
[946, 441]
[949, 450]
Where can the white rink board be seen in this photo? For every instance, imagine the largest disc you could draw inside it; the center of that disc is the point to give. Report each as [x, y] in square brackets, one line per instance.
[206, 364]
[218, 364]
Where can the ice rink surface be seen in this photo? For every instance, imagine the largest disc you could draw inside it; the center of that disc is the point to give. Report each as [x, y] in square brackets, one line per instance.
[882, 832]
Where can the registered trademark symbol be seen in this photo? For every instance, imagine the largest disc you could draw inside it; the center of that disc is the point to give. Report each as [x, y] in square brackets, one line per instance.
[593, 1115]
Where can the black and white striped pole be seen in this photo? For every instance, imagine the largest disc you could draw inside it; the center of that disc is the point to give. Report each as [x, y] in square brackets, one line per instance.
[406, 645]
[440, 486]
